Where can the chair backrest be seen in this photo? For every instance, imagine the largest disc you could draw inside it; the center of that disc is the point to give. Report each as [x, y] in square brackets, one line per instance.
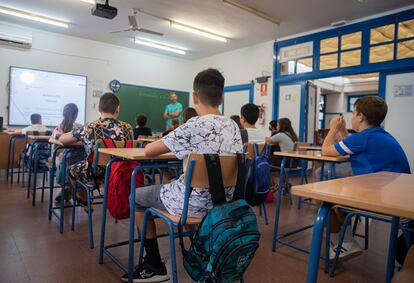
[299, 144]
[199, 178]
[103, 159]
[249, 150]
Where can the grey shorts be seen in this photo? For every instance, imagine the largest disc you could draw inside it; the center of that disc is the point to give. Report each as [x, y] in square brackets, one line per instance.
[149, 196]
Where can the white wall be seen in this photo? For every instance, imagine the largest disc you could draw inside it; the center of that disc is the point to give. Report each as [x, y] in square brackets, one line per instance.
[99, 61]
[400, 114]
[242, 66]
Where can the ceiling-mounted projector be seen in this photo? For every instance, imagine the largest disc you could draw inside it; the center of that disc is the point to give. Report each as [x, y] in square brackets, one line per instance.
[104, 10]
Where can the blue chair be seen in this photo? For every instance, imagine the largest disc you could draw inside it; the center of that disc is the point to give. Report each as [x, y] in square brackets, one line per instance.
[91, 187]
[195, 177]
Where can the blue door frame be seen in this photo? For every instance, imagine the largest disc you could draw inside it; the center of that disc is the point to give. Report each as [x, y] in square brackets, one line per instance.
[233, 88]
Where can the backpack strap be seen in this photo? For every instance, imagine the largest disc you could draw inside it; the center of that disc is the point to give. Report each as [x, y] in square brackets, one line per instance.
[215, 179]
[241, 177]
[109, 143]
[129, 144]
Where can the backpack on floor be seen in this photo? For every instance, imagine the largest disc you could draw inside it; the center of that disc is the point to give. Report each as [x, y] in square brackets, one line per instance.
[258, 184]
[120, 183]
[228, 235]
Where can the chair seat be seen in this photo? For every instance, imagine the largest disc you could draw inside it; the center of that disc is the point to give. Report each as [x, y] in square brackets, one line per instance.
[176, 218]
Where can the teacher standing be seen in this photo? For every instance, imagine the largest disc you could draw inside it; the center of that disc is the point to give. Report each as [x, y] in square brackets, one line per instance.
[172, 111]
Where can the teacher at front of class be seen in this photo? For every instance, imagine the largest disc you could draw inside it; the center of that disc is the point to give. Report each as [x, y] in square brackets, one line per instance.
[172, 111]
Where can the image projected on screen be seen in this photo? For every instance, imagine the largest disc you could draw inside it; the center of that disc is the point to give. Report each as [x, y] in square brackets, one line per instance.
[45, 93]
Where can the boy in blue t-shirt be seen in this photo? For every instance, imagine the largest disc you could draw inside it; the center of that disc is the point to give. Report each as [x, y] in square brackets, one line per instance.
[371, 150]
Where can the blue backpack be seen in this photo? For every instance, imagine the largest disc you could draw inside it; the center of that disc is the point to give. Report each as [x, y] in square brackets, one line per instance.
[228, 235]
[258, 184]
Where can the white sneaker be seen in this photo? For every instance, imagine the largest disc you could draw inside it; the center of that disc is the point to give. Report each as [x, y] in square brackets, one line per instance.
[348, 250]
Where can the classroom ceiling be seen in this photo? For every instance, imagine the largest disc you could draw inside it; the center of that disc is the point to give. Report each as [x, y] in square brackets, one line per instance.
[242, 29]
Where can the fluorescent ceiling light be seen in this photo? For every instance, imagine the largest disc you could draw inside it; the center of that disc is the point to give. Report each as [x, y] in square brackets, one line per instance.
[33, 17]
[159, 45]
[251, 10]
[197, 31]
[89, 1]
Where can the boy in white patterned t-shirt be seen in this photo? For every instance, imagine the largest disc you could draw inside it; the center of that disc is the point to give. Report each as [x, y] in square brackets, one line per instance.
[210, 132]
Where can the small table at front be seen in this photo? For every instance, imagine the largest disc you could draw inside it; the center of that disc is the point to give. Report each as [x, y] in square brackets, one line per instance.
[130, 154]
[304, 155]
[384, 193]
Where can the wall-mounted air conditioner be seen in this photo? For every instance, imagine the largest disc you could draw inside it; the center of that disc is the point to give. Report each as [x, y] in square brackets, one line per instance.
[15, 40]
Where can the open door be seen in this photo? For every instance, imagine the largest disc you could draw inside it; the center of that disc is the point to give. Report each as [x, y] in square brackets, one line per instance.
[312, 112]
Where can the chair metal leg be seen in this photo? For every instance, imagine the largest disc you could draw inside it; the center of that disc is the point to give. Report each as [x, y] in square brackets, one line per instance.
[392, 248]
[34, 182]
[260, 210]
[74, 203]
[172, 253]
[340, 242]
[147, 216]
[265, 213]
[90, 226]
[43, 186]
[366, 233]
[132, 223]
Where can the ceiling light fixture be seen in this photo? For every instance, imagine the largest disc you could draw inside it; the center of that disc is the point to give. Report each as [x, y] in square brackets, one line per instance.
[33, 17]
[89, 1]
[251, 10]
[197, 31]
[186, 27]
[159, 45]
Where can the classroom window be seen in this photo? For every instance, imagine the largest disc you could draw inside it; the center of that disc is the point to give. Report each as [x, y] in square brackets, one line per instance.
[328, 61]
[287, 68]
[352, 99]
[382, 34]
[381, 53]
[406, 29]
[405, 49]
[351, 58]
[351, 40]
[304, 65]
[329, 45]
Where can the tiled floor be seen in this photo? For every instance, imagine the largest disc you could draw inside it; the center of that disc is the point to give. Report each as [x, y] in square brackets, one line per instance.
[32, 250]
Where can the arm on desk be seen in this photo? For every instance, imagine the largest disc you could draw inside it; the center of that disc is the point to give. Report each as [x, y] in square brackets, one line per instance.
[328, 146]
[156, 148]
[67, 139]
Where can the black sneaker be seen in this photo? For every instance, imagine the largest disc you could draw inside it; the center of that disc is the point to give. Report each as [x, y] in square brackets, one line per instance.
[147, 273]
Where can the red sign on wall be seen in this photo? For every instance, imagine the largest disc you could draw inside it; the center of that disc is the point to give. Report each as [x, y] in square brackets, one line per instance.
[263, 90]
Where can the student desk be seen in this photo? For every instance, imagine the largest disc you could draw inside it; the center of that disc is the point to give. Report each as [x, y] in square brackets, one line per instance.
[57, 146]
[135, 155]
[384, 193]
[310, 147]
[303, 155]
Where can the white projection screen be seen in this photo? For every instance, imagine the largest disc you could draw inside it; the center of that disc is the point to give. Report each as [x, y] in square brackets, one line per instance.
[46, 93]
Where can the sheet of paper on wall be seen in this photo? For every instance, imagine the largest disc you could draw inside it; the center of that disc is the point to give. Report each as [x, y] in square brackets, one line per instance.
[403, 90]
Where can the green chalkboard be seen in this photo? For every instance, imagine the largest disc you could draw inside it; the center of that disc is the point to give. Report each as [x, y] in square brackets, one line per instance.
[135, 100]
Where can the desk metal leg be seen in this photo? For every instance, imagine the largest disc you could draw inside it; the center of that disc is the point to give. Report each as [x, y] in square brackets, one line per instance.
[105, 200]
[392, 248]
[322, 171]
[8, 160]
[278, 202]
[132, 224]
[317, 237]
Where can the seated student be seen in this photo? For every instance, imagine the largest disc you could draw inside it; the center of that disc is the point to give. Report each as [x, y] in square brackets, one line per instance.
[197, 135]
[107, 126]
[175, 124]
[371, 149]
[249, 114]
[141, 130]
[243, 132]
[283, 135]
[70, 113]
[36, 120]
[189, 113]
